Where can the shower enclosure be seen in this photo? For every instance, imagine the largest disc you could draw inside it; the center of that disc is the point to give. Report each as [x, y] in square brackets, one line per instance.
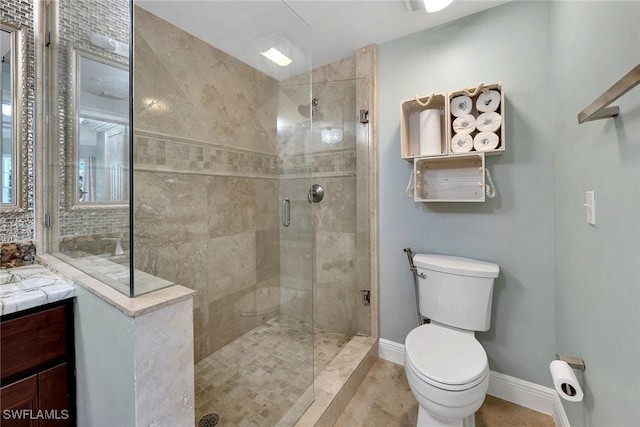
[208, 182]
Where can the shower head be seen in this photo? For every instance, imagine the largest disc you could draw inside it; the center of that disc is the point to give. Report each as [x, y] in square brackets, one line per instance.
[305, 110]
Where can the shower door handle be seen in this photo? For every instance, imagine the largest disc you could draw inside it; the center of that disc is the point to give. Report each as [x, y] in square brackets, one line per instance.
[286, 212]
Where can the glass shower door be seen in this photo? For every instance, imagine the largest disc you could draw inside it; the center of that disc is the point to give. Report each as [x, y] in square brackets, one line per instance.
[213, 129]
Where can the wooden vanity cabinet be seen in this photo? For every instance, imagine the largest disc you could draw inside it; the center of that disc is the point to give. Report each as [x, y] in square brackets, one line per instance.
[37, 384]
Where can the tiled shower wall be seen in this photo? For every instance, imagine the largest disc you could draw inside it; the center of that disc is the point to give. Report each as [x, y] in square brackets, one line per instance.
[206, 179]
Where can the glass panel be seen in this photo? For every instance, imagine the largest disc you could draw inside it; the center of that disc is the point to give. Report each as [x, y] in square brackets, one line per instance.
[90, 137]
[339, 147]
[214, 120]
[363, 210]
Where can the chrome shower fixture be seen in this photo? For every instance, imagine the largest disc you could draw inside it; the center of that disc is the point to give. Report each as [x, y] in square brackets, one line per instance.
[306, 109]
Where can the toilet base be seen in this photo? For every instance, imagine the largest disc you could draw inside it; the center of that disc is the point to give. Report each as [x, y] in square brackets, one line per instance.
[425, 419]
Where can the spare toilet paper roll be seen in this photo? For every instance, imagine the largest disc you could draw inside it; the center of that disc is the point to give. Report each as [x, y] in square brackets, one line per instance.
[485, 141]
[464, 124]
[461, 105]
[488, 101]
[565, 381]
[430, 133]
[488, 122]
[461, 143]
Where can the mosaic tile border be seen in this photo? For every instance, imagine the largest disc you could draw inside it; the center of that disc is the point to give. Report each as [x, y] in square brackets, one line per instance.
[173, 154]
[335, 162]
[165, 153]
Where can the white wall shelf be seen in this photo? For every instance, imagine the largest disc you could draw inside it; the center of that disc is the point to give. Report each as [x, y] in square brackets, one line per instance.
[454, 178]
[410, 123]
[457, 173]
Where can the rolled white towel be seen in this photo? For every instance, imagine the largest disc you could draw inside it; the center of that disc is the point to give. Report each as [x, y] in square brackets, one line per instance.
[461, 143]
[488, 101]
[485, 141]
[461, 105]
[464, 124]
[489, 122]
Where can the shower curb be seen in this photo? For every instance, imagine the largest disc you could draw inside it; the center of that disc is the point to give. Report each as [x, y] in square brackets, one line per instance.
[338, 382]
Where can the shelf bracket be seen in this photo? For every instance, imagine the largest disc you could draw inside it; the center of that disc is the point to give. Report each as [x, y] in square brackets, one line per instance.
[599, 109]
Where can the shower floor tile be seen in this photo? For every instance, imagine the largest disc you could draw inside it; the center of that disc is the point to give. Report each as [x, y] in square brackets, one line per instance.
[254, 380]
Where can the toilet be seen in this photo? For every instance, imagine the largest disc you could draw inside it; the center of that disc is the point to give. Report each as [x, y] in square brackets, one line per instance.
[446, 366]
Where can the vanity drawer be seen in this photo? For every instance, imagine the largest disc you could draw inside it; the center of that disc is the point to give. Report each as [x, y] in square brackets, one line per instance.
[32, 340]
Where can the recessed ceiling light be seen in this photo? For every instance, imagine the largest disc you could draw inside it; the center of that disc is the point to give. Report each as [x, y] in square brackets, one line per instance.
[436, 5]
[276, 56]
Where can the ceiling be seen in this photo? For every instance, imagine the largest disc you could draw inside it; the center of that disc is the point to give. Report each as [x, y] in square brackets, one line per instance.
[312, 32]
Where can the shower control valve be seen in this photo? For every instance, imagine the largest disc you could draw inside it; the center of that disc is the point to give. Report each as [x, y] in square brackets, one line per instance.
[316, 194]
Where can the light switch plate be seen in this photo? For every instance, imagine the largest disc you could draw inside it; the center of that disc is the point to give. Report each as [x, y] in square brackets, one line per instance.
[590, 205]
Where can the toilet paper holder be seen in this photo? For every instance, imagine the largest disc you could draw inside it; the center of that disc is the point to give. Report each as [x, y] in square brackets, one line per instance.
[573, 361]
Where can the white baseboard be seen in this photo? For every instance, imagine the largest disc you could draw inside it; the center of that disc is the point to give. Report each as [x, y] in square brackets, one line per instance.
[514, 390]
[391, 351]
[559, 415]
[520, 392]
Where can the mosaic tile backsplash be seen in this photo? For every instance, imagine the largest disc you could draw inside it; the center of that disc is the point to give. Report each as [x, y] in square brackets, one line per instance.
[19, 225]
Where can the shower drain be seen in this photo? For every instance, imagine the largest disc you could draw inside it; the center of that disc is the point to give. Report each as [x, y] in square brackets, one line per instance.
[209, 420]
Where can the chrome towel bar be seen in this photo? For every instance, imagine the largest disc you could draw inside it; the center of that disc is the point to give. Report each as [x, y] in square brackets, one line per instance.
[599, 109]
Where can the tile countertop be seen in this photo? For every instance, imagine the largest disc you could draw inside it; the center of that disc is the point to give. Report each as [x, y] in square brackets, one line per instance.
[31, 286]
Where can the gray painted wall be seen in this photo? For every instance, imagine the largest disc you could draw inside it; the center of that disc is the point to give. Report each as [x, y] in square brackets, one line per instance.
[597, 268]
[510, 44]
[105, 357]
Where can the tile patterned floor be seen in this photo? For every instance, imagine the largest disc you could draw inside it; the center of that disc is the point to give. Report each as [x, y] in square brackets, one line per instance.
[385, 400]
[254, 380]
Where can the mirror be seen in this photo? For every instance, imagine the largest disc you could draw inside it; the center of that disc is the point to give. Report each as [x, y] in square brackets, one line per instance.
[11, 142]
[101, 134]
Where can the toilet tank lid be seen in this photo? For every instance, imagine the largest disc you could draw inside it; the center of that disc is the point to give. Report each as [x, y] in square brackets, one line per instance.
[456, 265]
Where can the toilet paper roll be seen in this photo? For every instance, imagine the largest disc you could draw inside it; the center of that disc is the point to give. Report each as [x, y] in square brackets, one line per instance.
[430, 132]
[461, 105]
[464, 124]
[489, 122]
[565, 381]
[485, 141]
[461, 143]
[488, 101]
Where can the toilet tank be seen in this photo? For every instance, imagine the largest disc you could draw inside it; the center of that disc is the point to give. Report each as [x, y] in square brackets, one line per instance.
[456, 291]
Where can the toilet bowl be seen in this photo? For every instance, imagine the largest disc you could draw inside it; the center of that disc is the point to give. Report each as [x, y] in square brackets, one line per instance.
[446, 366]
[448, 373]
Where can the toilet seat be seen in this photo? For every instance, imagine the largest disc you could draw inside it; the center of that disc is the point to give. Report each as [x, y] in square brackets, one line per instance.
[446, 358]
